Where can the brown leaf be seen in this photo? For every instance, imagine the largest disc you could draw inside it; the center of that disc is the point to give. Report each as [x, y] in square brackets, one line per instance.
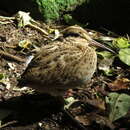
[119, 84]
[83, 119]
[103, 121]
[97, 103]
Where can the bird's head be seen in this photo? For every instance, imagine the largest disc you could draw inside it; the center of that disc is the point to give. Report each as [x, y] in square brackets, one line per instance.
[79, 31]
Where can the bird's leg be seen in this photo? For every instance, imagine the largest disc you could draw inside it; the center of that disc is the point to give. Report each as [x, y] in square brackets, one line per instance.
[68, 115]
[71, 119]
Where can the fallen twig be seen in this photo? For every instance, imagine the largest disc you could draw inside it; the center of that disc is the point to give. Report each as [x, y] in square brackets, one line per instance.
[8, 123]
[40, 30]
[8, 55]
[3, 44]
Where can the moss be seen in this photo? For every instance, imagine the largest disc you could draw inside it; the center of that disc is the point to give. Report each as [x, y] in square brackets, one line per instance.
[51, 10]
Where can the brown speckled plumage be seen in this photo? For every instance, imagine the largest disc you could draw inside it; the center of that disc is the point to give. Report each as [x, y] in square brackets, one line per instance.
[61, 65]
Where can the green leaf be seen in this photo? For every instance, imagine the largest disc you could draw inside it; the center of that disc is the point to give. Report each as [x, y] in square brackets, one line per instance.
[105, 65]
[105, 54]
[121, 42]
[105, 62]
[1, 76]
[119, 105]
[124, 55]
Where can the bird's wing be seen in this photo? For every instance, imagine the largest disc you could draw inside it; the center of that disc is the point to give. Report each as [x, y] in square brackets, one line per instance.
[56, 64]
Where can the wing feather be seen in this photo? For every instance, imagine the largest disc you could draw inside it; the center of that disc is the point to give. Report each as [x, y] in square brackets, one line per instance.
[58, 64]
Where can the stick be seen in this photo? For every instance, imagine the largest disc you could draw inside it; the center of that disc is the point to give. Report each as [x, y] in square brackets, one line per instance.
[6, 54]
[8, 123]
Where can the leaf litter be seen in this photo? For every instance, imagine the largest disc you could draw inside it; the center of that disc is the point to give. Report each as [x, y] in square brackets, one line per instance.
[99, 105]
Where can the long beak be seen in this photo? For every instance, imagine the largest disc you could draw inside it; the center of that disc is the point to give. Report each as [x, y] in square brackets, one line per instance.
[97, 44]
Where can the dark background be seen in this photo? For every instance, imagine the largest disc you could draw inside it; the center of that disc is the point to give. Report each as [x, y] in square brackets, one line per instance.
[110, 14]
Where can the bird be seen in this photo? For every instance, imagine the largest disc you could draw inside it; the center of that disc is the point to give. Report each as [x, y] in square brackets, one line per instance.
[65, 63]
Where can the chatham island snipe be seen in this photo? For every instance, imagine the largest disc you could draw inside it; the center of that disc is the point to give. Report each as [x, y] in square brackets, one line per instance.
[62, 64]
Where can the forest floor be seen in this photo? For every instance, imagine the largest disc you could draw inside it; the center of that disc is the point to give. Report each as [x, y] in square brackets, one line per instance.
[23, 109]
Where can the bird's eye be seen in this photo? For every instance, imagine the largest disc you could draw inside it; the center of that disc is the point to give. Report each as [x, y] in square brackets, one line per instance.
[72, 34]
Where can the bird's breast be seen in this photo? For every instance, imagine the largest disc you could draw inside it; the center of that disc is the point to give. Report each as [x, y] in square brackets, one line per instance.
[87, 65]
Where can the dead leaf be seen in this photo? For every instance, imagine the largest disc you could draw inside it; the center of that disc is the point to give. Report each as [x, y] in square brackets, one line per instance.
[98, 103]
[83, 119]
[103, 121]
[119, 84]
